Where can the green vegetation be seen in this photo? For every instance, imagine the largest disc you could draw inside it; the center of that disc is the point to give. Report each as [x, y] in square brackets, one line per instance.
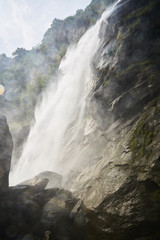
[156, 195]
[136, 16]
[141, 139]
[106, 83]
[142, 71]
[26, 75]
[20, 52]
[123, 35]
[18, 125]
[135, 67]
[158, 100]
[153, 76]
[142, 11]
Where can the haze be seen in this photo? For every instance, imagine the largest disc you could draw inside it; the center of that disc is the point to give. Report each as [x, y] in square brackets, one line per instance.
[24, 22]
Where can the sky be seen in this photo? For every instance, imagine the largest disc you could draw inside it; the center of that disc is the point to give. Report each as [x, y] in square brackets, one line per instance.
[24, 22]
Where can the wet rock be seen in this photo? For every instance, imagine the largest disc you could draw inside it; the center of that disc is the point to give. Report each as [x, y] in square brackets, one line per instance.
[43, 180]
[69, 178]
[34, 185]
[130, 213]
[55, 179]
[121, 191]
[123, 87]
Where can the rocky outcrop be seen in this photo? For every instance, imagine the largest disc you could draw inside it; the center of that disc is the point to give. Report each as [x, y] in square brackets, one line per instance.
[131, 212]
[55, 179]
[33, 212]
[29, 211]
[6, 146]
[50, 180]
[120, 191]
[128, 60]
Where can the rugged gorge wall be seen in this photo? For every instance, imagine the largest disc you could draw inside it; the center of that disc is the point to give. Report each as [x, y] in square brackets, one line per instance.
[117, 197]
[121, 192]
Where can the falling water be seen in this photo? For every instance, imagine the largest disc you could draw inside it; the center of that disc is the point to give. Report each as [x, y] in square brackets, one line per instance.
[59, 118]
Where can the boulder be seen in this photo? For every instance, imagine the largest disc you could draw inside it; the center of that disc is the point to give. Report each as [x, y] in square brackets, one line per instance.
[25, 212]
[55, 179]
[28, 210]
[56, 216]
[44, 180]
[35, 185]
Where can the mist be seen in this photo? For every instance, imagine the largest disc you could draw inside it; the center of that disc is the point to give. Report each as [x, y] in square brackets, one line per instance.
[80, 143]
[60, 118]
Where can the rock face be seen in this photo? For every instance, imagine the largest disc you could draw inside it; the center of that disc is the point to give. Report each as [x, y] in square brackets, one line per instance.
[121, 191]
[25, 212]
[117, 197]
[29, 211]
[6, 146]
[131, 212]
[55, 179]
[51, 180]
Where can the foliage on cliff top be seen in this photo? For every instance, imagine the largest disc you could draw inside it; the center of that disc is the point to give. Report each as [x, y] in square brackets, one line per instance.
[28, 73]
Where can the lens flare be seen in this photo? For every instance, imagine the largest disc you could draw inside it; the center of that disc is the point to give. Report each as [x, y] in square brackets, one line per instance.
[2, 89]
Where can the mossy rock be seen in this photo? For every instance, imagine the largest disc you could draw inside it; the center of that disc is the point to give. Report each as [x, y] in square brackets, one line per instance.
[142, 138]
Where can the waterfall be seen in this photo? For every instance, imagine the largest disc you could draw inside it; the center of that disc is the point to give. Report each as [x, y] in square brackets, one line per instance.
[59, 119]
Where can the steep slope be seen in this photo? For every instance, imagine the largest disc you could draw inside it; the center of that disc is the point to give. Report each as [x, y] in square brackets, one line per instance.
[121, 191]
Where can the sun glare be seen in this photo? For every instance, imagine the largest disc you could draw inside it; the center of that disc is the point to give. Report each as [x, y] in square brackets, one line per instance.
[2, 89]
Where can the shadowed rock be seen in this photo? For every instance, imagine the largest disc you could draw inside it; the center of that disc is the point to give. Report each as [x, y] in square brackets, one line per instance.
[34, 185]
[6, 146]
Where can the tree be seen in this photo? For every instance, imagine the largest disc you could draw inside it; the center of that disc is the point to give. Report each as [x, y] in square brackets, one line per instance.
[20, 52]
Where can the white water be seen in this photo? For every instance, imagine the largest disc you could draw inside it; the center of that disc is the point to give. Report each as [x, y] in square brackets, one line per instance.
[59, 118]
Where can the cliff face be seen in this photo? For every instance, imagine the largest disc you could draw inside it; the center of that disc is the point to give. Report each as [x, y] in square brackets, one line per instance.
[121, 192]
[119, 184]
